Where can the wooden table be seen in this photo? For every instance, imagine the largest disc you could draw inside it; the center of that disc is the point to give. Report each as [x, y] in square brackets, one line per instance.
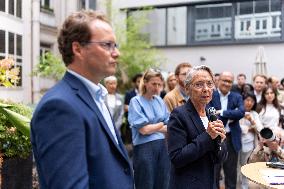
[252, 172]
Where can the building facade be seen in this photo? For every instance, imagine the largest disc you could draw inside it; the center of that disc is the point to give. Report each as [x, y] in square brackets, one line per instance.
[225, 35]
[28, 29]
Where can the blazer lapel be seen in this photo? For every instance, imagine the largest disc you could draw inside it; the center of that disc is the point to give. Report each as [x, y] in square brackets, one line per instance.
[194, 117]
[86, 97]
[230, 103]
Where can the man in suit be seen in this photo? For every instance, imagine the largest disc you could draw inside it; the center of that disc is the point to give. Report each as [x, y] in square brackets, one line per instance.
[74, 140]
[230, 108]
[114, 101]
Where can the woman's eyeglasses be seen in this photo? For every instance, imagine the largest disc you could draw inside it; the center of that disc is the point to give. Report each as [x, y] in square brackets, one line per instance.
[200, 85]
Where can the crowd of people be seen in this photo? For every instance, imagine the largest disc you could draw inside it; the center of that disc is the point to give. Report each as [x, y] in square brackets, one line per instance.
[177, 142]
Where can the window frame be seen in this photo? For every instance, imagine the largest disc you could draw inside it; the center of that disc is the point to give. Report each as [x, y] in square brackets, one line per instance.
[16, 4]
[190, 27]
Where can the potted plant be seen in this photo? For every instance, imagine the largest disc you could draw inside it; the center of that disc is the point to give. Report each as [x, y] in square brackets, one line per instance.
[15, 146]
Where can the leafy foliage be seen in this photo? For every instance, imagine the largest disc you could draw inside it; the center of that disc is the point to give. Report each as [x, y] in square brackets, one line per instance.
[137, 53]
[50, 66]
[13, 142]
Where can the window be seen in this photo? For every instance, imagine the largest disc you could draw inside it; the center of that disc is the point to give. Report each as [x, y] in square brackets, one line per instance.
[44, 48]
[11, 7]
[13, 42]
[14, 7]
[46, 5]
[212, 22]
[87, 4]
[153, 32]
[258, 19]
[167, 26]
[176, 30]
[19, 9]
[2, 42]
[19, 45]
[227, 22]
[92, 4]
[2, 5]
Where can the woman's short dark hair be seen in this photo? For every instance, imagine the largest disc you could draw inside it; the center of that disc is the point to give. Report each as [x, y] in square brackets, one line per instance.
[76, 28]
[251, 95]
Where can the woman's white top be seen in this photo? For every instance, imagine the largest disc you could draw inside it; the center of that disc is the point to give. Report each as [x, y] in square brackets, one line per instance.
[205, 121]
[269, 117]
[248, 137]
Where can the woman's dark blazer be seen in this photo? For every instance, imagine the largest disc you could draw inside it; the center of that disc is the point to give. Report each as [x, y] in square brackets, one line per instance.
[194, 155]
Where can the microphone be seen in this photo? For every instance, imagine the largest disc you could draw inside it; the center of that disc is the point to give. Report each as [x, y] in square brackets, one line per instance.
[213, 117]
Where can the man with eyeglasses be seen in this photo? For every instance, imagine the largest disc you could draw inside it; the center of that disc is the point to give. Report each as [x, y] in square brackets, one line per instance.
[74, 140]
[230, 108]
[178, 96]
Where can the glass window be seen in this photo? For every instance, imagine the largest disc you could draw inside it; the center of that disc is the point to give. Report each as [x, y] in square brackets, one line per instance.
[2, 5]
[19, 8]
[176, 30]
[82, 4]
[19, 45]
[2, 41]
[154, 31]
[213, 22]
[261, 6]
[11, 43]
[47, 5]
[92, 4]
[245, 8]
[202, 13]
[262, 18]
[276, 5]
[11, 7]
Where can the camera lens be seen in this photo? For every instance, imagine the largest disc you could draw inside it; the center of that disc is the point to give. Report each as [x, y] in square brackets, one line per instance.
[267, 133]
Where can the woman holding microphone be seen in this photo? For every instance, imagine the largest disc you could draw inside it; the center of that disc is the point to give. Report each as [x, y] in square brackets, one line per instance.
[193, 146]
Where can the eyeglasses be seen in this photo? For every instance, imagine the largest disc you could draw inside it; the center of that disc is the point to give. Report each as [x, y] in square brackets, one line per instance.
[227, 81]
[107, 45]
[183, 74]
[200, 85]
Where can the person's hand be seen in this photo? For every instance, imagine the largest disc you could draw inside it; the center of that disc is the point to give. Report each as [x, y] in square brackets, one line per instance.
[164, 129]
[249, 118]
[216, 128]
[272, 145]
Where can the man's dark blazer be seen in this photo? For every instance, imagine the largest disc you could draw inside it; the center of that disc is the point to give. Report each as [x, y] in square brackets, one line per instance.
[235, 111]
[72, 144]
[194, 155]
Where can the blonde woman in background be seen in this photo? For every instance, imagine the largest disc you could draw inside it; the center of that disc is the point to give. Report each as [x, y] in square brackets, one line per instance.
[148, 118]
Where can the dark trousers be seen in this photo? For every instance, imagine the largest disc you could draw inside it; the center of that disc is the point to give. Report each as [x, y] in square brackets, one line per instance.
[229, 166]
[151, 165]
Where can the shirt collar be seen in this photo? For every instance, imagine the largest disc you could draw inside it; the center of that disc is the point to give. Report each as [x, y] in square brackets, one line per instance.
[221, 94]
[98, 91]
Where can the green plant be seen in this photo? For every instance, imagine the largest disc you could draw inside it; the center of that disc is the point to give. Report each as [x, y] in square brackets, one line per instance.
[15, 129]
[50, 66]
[137, 53]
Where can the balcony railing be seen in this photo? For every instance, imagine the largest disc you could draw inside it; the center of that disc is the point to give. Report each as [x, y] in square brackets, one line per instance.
[259, 25]
[213, 29]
